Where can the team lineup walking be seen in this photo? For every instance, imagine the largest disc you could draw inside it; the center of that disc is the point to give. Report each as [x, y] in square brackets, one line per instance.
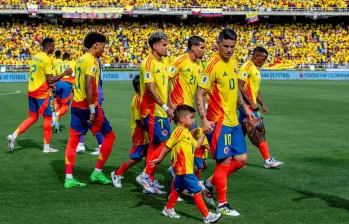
[225, 95]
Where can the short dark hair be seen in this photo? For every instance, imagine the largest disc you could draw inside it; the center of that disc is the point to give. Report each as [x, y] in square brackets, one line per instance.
[92, 38]
[260, 50]
[156, 37]
[46, 41]
[58, 53]
[195, 41]
[66, 56]
[227, 34]
[135, 83]
[181, 110]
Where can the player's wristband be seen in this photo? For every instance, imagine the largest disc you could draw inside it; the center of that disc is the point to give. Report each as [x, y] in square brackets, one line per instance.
[165, 107]
[92, 108]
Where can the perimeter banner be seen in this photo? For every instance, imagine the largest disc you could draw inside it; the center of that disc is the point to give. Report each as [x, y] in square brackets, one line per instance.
[91, 13]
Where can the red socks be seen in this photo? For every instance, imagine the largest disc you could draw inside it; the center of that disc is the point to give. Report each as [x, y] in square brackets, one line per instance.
[234, 166]
[63, 110]
[199, 201]
[47, 129]
[173, 199]
[220, 177]
[70, 151]
[122, 169]
[33, 117]
[151, 170]
[106, 149]
[264, 149]
[198, 173]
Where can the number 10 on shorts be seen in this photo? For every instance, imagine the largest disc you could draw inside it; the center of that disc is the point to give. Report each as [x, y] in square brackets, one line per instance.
[227, 139]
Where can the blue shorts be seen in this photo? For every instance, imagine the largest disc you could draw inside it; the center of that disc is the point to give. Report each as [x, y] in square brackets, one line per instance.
[242, 116]
[193, 127]
[138, 151]
[79, 124]
[226, 141]
[158, 128]
[40, 106]
[189, 182]
[199, 162]
[63, 91]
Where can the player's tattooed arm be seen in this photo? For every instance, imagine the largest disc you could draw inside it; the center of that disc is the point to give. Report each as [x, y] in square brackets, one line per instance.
[241, 100]
[200, 102]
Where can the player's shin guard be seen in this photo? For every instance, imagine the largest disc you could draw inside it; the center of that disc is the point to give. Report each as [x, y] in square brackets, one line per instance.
[47, 129]
[151, 170]
[172, 200]
[33, 117]
[199, 201]
[70, 152]
[106, 149]
[63, 110]
[122, 169]
[264, 149]
[234, 166]
[220, 177]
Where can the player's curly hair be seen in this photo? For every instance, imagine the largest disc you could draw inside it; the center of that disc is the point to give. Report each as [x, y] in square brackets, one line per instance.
[181, 110]
[227, 34]
[46, 41]
[156, 37]
[135, 83]
[92, 38]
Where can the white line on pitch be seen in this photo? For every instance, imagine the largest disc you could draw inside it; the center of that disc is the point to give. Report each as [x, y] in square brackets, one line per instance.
[10, 93]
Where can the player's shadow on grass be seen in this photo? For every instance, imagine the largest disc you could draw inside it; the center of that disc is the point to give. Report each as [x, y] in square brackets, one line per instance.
[83, 173]
[28, 144]
[331, 200]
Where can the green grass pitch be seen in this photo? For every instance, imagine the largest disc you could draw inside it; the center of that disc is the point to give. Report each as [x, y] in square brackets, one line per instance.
[307, 128]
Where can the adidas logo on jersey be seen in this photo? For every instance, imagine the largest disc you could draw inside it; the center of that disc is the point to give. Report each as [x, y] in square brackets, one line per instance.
[188, 70]
[225, 74]
[158, 71]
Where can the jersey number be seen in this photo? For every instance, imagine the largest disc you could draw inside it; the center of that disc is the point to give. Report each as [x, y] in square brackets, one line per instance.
[63, 67]
[192, 79]
[33, 69]
[78, 73]
[163, 80]
[227, 139]
[231, 84]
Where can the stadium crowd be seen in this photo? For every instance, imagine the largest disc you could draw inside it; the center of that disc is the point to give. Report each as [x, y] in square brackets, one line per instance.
[235, 4]
[297, 43]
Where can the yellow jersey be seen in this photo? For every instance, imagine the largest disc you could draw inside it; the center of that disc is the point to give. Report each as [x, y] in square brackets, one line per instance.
[220, 79]
[154, 71]
[182, 145]
[86, 65]
[41, 65]
[185, 74]
[252, 76]
[139, 135]
[60, 66]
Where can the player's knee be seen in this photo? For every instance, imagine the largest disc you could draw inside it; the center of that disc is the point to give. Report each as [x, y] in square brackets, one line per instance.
[241, 158]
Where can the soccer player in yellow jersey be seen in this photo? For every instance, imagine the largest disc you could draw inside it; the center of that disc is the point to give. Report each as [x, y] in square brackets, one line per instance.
[56, 62]
[86, 112]
[41, 75]
[221, 125]
[139, 138]
[249, 83]
[154, 110]
[182, 145]
[63, 90]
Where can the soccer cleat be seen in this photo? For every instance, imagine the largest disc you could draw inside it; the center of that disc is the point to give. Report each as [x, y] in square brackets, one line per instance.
[170, 213]
[99, 178]
[49, 150]
[116, 179]
[273, 163]
[208, 193]
[96, 152]
[227, 210]
[155, 184]
[212, 217]
[80, 148]
[158, 191]
[56, 127]
[171, 172]
[10, 142]
[69, 183]
[145, 183]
